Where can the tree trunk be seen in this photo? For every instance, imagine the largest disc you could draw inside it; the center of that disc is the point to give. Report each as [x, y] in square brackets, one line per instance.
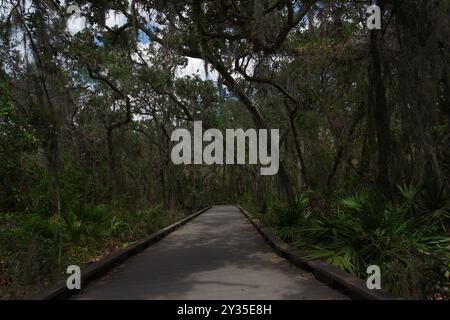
[283, 178]
[298, 149]
[378, 101]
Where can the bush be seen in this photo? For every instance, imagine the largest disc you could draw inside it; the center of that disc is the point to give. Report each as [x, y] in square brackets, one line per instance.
[29, 242]
[287, 218]
[407, 238]
[27, 247]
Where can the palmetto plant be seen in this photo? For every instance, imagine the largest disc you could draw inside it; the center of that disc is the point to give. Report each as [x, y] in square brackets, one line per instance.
[368, 229]
[288, 218]
[87, 222]
[116, 225]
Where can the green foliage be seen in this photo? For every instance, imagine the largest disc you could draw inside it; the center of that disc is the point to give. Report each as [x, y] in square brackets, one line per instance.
[144, 222]
[69, 140]
[87, 222]
[27, 245]
[287, 218]
[407, 238]
[16, 138]
[29, 241]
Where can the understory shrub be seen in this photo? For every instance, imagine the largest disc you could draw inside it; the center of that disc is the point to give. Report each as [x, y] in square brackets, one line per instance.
[29, 242]
[407, 237]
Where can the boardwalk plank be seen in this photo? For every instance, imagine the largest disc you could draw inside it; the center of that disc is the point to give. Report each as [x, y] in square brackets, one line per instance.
[218, 255]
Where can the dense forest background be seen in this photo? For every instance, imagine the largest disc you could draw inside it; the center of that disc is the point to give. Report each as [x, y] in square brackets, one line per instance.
[86, 120]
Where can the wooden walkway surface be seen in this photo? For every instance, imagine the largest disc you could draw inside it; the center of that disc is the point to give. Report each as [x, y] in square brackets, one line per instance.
[218, 255]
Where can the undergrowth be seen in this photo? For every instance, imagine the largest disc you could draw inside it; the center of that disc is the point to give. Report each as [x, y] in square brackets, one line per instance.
[29, 243]
[408, 237]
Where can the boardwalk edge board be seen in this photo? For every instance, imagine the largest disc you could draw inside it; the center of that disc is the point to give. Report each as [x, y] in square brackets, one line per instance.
[59, 290]
[331, 275]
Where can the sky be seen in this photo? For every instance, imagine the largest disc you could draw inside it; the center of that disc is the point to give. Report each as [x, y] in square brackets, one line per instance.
[117, 19]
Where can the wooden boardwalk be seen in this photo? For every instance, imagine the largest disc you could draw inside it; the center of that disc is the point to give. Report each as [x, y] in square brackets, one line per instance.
[218, 255]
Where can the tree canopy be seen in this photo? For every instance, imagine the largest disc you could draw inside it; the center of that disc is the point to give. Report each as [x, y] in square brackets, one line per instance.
[86, 117]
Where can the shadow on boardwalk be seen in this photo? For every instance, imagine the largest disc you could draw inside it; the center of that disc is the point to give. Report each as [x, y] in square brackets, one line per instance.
[218, 255]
